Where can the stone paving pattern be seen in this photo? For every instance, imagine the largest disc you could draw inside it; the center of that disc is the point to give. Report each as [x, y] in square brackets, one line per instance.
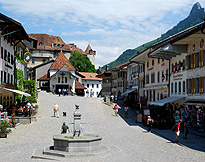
[129, 141]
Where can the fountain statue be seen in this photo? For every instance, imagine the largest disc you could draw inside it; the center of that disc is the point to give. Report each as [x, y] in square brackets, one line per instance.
[78, 142]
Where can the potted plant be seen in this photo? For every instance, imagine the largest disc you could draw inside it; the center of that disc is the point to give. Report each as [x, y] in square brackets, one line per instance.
[3, 128]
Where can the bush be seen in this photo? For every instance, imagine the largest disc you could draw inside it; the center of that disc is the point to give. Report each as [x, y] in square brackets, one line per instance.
[3, 126]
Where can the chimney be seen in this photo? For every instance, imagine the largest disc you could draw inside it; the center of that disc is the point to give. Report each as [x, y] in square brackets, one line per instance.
[107, 67]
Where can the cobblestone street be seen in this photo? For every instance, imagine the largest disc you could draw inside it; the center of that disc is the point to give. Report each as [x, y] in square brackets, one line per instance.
[128, 141]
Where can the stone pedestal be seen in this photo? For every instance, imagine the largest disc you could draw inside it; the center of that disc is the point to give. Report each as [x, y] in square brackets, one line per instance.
[83, 144]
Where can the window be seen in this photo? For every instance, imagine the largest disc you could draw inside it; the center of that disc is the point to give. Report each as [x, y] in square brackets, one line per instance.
[59, 45]
[8, 78]
[180, 87]
[147, 64]
[12, 59]
[157, 96]
[175, 66]
[175, 87]
[163, 77]
[158, 76]
[4, 77]
[87, 85]
[2, 53]
[167, 74]
[196, 60]
[189, 86]
[5, 54]
[62, 45]
[66, 80]
[59, 79]
[11, 79]
[189, 62]
[97, 85]
[172, 88]
[40, 44]
[9, 56]
[153, 78]
[153, 62]
[162, 60]
[184, 86]
[153, 95]
[54, 45]
[2, 73]
[92, 85]
[158, 61]
[147, 79]
[184, 64]
[197, 85]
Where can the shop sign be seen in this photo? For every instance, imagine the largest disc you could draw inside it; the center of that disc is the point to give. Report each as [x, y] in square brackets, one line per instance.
[177, 76]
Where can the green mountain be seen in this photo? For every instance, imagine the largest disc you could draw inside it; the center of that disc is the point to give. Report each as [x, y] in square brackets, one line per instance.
[195, 17]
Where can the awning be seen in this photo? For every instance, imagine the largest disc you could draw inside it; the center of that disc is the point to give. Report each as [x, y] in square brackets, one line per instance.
[194, 102]
[156, 87]
[166, 100]
[17, 91]
[132, 90]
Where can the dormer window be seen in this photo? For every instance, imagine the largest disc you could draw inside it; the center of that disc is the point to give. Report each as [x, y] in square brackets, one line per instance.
[62, 45]
[40, 44]
[59, 45]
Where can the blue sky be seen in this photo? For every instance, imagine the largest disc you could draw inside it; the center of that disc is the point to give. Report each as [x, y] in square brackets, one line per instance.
[110, 26]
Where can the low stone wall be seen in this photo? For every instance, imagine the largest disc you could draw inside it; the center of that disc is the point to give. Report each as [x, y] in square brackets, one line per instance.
[24, 120]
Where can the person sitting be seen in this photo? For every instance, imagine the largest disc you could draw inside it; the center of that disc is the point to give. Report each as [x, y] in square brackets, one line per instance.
[20, 110]
[64, 128]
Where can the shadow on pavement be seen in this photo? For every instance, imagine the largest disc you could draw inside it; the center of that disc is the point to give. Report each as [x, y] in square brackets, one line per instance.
[195, 140]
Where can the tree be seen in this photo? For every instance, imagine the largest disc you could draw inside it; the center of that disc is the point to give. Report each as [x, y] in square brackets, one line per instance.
[81, 62]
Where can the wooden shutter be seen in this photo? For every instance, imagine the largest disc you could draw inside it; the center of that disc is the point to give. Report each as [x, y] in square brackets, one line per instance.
[186, 62]
[202, 58]
[200, 65]
[202, 85]
[194, 62]
[187, 81]
[194, 86]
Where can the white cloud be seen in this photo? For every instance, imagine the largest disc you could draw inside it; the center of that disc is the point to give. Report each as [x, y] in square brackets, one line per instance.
[109, 26]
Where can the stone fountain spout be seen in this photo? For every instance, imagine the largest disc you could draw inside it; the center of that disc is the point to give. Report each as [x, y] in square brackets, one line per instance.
[77, 122]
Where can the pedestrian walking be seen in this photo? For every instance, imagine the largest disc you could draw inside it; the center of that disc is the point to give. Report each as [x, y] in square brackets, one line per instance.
[126, 111]
[149, 123]
[91, 93]
[71, 91]
[186, 128]
[59, 92]
[64, 128]
[112, 98]
[116, 110]
[87, 93]
[56, 110]
[177, 131]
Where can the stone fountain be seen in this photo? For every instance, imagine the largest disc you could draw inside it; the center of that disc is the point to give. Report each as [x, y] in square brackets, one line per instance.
[77, 142]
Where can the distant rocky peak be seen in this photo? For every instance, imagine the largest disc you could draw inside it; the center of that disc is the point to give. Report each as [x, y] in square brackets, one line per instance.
[196, 7]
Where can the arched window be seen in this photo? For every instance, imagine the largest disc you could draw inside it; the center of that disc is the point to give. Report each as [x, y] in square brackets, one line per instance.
[65, 79]
[40, 44]
[58, 79]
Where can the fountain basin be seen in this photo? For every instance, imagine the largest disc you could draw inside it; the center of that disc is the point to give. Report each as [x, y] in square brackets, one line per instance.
[84, 143]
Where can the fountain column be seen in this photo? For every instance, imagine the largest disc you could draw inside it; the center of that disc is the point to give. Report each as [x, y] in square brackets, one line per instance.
[77, 122]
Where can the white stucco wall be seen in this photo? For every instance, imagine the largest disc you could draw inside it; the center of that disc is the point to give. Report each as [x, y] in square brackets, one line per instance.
[94, 88]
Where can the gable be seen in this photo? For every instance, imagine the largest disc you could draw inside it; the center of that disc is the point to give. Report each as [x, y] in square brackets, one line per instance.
[60, 62]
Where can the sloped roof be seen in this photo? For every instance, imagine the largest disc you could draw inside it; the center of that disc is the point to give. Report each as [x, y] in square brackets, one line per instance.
[60, 62]
[43, 78]
[78, 85]
[49, 42]
[90, 76]
[89, 50]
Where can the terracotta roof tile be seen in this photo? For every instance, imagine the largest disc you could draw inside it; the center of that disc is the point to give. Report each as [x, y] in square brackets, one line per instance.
[78, 85]
[60, 62]
[90, 76]
[44, 77]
